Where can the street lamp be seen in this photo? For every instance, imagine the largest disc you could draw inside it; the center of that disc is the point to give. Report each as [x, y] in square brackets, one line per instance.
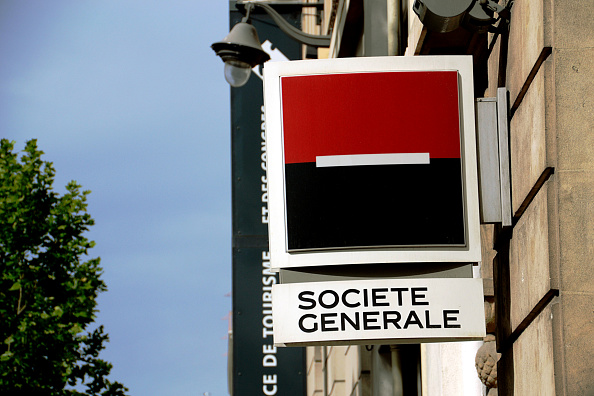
[241, 49]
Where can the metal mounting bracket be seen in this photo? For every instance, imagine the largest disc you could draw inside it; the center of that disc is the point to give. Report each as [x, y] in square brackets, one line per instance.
[492, 126]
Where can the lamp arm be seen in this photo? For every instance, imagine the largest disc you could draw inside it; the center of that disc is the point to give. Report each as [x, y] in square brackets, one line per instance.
[313, 40]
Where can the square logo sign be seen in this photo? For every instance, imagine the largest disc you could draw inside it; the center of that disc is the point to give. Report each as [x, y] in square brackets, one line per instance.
[365, 165]
[370, 160]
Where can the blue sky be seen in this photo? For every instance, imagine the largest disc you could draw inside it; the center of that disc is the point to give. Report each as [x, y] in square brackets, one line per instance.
[127, 98]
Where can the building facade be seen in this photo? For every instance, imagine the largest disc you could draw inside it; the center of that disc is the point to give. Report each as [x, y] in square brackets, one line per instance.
[537, 273]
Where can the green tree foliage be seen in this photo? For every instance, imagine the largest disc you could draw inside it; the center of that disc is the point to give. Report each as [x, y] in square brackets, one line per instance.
[48, 286]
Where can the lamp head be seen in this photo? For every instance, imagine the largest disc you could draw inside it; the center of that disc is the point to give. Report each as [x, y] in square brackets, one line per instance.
[241, 51]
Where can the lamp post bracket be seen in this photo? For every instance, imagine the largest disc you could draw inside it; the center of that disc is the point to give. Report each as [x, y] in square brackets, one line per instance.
[317, 4]
[313, 40]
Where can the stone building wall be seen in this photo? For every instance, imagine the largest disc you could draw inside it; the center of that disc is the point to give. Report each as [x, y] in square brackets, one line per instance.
[337, 371]
[543, 280]
[542, 268]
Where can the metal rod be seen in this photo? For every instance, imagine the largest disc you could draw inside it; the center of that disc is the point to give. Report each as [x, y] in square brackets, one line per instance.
[296, 34]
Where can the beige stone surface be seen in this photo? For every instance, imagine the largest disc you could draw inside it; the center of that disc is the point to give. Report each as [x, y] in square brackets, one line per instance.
[526, 40]
[571, 102]
[487, 252]
[578, 319]
[534, 372]
[335, 366]
[337, 388]
[529, 260]
[415, 30]
[352, 374]
[528, 142]
[553, 220]
[344, 371]
[573, 24]
[493, 66]
[315, 375]
[574, 94]
[327, 15]
[576, 230]
[552, 161]
[548, 22]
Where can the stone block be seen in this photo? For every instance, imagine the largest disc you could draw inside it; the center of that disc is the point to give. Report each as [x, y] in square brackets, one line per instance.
[533, 358]
[526, 41]
[573, 24]
[449, 369]
[574, 94]
[353, 370]
[528, 142]
[337, 388]
[578, 327]
[553, 220]
[493, 66]
[487, 252]
[529, 260]
[415, 31]
[335, 364]
[576, 230]
[315, 375]
[311, 356]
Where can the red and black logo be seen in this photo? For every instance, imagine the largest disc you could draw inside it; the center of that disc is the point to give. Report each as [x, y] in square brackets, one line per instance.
[372, 159]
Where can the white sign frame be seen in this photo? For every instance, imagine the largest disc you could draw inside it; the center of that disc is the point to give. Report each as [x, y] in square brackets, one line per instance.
[445, 310]
[280, 256]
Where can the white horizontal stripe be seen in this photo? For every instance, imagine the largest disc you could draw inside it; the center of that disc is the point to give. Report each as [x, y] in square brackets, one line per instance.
[372, 159]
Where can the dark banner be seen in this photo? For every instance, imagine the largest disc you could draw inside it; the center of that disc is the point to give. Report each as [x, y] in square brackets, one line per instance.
[258, 368]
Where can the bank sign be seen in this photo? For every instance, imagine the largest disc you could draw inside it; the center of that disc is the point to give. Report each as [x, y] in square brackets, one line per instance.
[378, 311]
[371, 160]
